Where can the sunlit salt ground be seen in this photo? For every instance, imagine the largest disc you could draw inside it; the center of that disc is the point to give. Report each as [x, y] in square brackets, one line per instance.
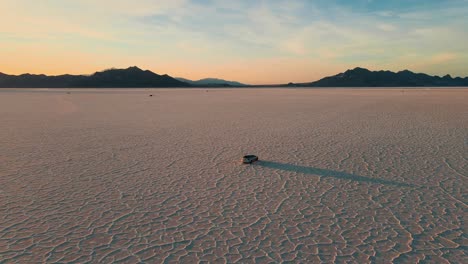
[345, 175]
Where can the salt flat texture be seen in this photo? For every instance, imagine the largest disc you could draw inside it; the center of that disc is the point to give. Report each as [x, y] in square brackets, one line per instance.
[345, 176]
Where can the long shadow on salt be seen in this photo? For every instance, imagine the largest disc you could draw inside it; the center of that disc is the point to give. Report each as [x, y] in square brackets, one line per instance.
[328, 173]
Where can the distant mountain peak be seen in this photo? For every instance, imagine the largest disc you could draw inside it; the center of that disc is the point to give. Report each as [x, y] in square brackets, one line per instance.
[212, 82]
[406, 71]
[134, 68]
[358, 70]
[129, 69]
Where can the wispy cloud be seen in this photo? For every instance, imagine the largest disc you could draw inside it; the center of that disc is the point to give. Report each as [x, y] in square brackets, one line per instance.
[303, 39]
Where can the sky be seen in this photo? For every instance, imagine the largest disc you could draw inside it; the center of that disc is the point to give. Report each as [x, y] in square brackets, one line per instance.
[255, 42]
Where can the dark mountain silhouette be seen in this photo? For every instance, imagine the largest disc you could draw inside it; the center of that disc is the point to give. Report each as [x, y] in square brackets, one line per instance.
[117, 78]
[360, 77]
[212, 82]
[136, 77]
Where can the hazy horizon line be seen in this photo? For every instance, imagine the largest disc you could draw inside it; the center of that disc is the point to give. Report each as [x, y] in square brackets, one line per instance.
[175, 76]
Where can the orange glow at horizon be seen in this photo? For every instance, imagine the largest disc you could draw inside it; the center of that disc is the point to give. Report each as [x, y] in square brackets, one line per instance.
[253, 42]
[269, 71]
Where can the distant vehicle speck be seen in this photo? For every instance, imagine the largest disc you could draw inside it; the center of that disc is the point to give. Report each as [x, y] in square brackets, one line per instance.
[249, 159]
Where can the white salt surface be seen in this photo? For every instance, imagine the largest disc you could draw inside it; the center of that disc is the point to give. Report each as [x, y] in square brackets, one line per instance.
[345, 175]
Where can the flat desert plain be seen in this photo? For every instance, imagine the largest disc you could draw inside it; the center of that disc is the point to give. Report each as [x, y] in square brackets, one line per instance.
[345, 175]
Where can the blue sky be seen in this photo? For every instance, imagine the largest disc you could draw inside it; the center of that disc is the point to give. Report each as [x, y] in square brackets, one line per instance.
[249, 41]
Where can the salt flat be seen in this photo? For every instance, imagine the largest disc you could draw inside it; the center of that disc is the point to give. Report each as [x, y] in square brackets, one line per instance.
[346, 175]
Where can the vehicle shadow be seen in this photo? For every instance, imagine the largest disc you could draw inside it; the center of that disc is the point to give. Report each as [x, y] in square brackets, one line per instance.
[328, 173]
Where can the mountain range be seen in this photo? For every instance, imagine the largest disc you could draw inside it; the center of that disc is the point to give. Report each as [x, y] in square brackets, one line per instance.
[211, 82]
[360, 77]
[113, 78]
[136, 77]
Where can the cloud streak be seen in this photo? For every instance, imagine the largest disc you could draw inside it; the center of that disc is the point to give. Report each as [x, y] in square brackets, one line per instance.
[232, 39]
